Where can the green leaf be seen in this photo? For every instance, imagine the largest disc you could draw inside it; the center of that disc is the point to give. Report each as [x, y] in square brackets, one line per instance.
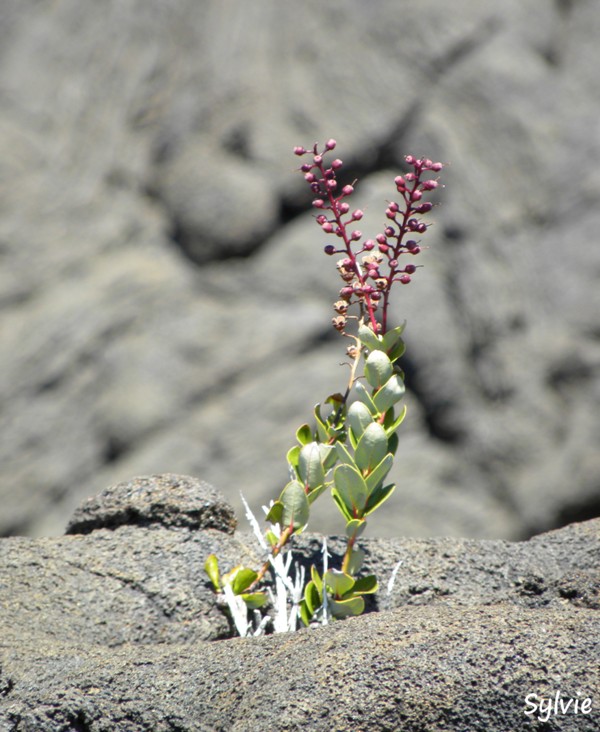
[310, 468]
[355, 528]
[368, 338]
[296, 508]
[393, 337]
[304, 434]
[338, 583]
[346, 513]
[254, 600]
[271, 538]
[378, 496]
[378, 369]
[359, 418]
[391, 424]
[364, 396]
[211, 567]
[357, 557]
[379, 473]
[372, 447]
[397, 351]
[328, 456]
[312, 597]
[393, 443]
[365, 585]
[345, 608]
[343, 455]
[242, 579]
[293, 455]
[305, 614]
[390, 393]
[316, 578]
[316, 492]
[275, 513]
[352, 489]
[321, 429]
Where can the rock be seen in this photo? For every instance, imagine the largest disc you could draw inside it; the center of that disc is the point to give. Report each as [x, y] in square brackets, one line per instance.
[165, 303]
[116, 629]
[412, 669]
[175, 501]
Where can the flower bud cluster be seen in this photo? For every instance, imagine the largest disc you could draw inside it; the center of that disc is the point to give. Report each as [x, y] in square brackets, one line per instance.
[368, 281]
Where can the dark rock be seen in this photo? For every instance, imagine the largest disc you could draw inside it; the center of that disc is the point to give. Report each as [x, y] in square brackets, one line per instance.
[110, 631]
[175, 501]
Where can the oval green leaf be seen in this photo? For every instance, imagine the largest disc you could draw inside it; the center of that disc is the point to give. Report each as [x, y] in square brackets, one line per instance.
[372, 447]
[338, 583]
[379, 473]
[351, 488]
[346, 608]
[390, 393]
[254, 600]
[378, 369]
[378, 496]
[310, 468]
[359, 418]
[211, 567]
[242, 579]
[296, 509]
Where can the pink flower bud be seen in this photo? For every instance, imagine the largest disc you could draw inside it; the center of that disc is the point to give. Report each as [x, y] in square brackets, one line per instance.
[327, 227]
[405, 279]
[330, 144]
[429, 185]
[299, 150]
[436, 167]
[416, 195]
[410, 244]
[321, 219]
[424, 207]
[329, 249]
[310, 177]
[421, 228]
[357, 215]
[384, 248]
[344, 208]
[337, 164]
[410, 269]
[389, 231]
[347, 190]
[368, 245]
[306, 167]
[331, 184]
[356, 235]
[318, 203]
[412, 224]
[380, 239]
[393, 263]
[410, 159]
[346, 293]
[318, 159]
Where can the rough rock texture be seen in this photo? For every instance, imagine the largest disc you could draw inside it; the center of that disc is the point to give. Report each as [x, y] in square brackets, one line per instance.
[169, 500]
[164, 298]
[110, 631]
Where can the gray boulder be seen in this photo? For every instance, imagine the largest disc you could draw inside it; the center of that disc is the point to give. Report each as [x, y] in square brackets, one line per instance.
[164, 298]
[117, 629]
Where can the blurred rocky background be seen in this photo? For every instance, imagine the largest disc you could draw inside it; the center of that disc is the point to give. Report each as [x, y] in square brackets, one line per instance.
[165, 302]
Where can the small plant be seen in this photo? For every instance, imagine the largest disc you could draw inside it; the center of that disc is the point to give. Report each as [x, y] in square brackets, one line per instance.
[350, 448]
